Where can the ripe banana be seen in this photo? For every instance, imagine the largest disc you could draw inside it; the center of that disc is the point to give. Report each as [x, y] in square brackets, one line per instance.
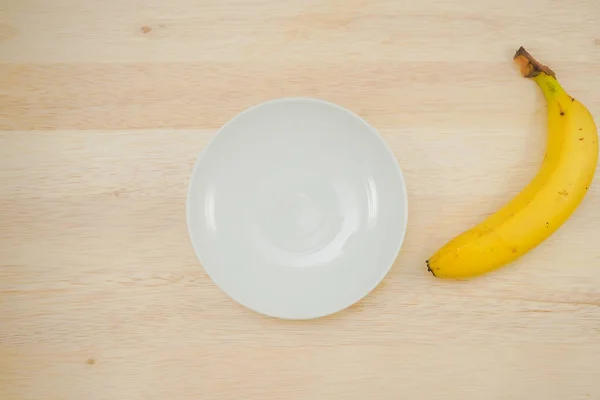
[545, 203]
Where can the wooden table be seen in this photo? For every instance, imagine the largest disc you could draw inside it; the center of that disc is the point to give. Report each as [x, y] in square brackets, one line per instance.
[104, 107]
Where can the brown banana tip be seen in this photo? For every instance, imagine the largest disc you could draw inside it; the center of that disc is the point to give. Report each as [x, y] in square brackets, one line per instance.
[428, 268]
[529, 66]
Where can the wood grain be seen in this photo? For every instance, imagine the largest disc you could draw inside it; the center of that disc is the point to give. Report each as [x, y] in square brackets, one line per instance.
[104, 107]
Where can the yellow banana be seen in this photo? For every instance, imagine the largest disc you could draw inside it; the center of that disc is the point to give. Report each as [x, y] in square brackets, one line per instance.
[545, 203]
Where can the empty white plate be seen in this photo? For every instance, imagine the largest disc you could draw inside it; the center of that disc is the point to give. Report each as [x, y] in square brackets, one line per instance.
[297, 208]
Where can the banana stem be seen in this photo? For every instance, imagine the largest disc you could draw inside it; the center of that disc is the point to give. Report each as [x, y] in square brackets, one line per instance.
[530, 67]
[541, 74]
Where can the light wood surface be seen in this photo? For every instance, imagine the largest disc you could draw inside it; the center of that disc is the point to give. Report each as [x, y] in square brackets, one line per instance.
[104, 106]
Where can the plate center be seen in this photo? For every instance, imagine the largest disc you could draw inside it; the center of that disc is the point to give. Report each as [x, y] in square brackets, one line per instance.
[299, 216]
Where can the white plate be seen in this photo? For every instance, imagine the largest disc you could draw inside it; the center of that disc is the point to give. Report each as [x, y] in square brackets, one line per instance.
[297, 208]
